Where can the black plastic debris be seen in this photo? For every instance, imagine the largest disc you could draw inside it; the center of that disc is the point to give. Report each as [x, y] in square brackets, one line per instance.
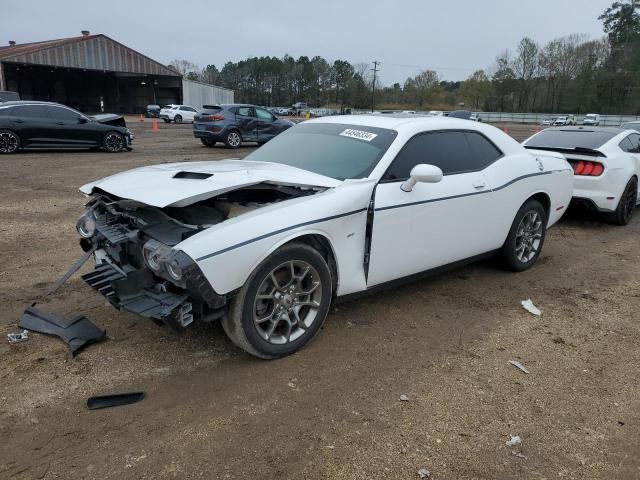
[115, 400]
[77, 332]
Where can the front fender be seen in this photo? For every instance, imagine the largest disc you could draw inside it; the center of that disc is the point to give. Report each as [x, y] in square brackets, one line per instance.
[227, 253]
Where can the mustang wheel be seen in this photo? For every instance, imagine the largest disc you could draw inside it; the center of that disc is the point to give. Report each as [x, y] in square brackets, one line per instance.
[114, 142]
[283, 303]
[526, 237]
[233, 139]
[627, 204]
[9, 141]
[177, 119]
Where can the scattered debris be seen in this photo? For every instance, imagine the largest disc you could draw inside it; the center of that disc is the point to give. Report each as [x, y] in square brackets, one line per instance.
[518, 365]
[18, 337]
[559, 340]
[424, 473]
[404, 398]
[518, 454]
[115, 400]
[77, 331]
[515, 440]
[530, 307]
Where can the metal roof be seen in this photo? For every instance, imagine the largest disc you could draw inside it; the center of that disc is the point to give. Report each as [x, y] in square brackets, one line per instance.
[89, 52]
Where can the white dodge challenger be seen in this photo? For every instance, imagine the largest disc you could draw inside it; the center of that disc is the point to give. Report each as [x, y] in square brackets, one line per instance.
[330, 208]
[606, 166]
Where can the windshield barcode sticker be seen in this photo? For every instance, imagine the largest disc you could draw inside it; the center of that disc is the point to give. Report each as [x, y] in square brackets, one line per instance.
[359, 134]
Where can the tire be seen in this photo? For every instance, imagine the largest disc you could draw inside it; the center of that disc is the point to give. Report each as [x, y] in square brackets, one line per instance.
[526, 237]
[9, 142]
[233, 139]
[166, 120]
[626, 206]
[207, 142]
[177, 119]
[272, 326]
[114, 142]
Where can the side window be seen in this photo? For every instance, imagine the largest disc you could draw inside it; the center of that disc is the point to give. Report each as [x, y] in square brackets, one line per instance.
[64, 114]
[245, 111]
[29, 111]
[626, 145]
[484, 151]
[448, 150]
[634, 138]
[187, 109]
[264, 115]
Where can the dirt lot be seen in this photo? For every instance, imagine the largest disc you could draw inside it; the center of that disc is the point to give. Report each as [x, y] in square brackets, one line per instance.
[332, 410]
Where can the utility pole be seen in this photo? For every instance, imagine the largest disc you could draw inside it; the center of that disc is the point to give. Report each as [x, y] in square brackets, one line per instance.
[373, 88]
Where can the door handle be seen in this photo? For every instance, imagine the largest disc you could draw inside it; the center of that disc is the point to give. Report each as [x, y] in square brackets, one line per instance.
[479, 185]
[60, 123]
[19, 121]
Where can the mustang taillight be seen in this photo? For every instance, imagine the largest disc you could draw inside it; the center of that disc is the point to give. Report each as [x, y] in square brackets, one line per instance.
[588, 169]
[215, 118]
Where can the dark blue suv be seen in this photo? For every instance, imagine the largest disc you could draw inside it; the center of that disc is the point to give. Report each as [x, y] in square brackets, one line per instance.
[234, 124]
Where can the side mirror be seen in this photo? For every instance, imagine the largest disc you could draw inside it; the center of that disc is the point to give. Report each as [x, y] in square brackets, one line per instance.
[422, 173]
[83, 120]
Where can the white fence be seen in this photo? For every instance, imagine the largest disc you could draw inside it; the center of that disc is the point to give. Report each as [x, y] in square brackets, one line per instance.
[197, 94]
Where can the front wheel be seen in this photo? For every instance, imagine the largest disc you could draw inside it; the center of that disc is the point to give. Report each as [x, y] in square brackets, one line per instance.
[626, 206]
[114, 142]
[9, 141]
[526, 237]
[283, 303]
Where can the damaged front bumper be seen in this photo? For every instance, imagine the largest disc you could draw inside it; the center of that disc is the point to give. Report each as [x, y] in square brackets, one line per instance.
[123, 276]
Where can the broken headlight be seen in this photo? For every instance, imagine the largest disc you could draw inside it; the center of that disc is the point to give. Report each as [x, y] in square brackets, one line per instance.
[161, 259]
[86, 225]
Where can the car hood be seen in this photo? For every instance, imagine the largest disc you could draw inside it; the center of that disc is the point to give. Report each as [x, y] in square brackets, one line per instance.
[109, 119]
[181, 184]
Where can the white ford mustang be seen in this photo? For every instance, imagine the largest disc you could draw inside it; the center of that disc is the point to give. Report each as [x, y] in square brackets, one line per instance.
[606, 165]
[330, 208]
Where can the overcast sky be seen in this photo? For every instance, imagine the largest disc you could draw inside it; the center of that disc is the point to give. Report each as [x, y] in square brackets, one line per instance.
[453, 37]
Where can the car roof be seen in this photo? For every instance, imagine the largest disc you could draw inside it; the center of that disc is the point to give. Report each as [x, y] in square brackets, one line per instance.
[582, 128]
[394, 121]
[29, 102]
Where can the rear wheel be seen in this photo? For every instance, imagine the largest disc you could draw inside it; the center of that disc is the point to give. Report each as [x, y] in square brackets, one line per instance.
[208, 142]
[233, 139]
[283, 303]
[626, 206]
[113, 142]
[526, 237]
[9, 141]
[166, 120]
[177, 119]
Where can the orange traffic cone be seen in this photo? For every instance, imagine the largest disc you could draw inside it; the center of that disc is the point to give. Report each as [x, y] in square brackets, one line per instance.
[154, 126]
[141, 118]
[506, 130]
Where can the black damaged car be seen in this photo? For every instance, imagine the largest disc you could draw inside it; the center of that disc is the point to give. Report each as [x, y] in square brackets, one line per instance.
[45, 125]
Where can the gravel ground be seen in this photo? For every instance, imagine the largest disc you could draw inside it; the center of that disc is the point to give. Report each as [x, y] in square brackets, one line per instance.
[333, 410]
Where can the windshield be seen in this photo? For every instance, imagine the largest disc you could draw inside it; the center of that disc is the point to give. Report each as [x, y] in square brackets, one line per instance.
[571, 139]
[590, 116]
[334, 150]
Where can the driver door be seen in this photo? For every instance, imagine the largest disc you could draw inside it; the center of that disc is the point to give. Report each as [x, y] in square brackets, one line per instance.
[69, 127]
[247, 123]
[435, 224]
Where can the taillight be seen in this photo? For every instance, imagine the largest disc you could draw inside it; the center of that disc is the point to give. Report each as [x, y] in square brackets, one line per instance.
[588, 169]
[214, 118]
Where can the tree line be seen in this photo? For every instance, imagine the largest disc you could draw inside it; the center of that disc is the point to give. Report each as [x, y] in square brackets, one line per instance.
[572, 74]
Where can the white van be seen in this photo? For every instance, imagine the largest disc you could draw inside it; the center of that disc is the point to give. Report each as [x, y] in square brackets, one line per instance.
[591, 119]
